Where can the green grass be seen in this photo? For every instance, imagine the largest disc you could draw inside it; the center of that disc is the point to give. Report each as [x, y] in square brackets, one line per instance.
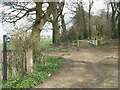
[1, 47]
[44, 43]
[9, 46]
[50, 49]
[41, 73]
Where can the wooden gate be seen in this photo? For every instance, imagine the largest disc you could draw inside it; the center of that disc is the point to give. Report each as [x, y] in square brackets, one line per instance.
[78, 42]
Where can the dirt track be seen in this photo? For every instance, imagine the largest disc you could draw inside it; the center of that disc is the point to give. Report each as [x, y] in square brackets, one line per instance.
[85, 67]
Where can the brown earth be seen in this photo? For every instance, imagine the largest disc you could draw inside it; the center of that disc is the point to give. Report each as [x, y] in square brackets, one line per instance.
[85, 67]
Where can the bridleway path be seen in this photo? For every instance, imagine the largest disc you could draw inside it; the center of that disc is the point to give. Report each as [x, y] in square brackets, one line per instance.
[85, 67]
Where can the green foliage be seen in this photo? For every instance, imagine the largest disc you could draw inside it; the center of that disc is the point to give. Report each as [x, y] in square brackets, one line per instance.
[41, 72]
[50, 66]
[45, 43]
[107, 44]
[53, 49]
[69, 36]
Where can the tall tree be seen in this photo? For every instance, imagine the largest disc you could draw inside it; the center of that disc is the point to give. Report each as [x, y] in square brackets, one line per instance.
[90, 7]
[57, 12]
[118, 18]
[63, 24]
[80, 21]
[85, 32]
[17, 11]
[114, 7]
[108, 6]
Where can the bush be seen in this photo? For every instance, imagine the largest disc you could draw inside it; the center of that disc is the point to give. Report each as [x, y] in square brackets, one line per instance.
[41, 72]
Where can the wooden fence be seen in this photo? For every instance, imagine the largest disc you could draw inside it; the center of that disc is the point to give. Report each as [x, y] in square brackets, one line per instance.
[78, 42]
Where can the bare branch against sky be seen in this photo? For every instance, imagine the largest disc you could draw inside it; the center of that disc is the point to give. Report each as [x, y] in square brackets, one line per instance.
[96, 7]
[32, 0]
[51, 0]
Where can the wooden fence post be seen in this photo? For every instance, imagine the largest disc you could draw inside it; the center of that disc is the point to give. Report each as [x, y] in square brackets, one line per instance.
[29, 62]
[96, 42]
[78, 43]
[73, 43]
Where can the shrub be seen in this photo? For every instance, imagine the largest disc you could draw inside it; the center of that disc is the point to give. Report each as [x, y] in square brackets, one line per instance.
[41, 73]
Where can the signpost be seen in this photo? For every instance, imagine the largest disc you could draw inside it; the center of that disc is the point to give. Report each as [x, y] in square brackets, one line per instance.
[8, 39]
[4, 57]
[5, 40]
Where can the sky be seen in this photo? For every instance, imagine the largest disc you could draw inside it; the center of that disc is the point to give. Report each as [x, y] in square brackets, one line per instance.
[96, 7]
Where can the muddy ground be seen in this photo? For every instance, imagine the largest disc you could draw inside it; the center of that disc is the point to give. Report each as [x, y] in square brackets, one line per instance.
[85, 67]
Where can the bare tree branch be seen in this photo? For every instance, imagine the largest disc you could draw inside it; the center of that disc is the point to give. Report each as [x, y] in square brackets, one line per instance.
[15, 15]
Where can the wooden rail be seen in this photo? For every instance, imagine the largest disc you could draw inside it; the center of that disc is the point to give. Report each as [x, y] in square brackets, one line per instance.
[78, 42]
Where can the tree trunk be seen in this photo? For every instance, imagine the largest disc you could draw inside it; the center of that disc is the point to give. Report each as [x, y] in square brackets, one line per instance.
[113, 24]
[107, 12]
[85, 32]
[119, 27]
[113, 20]
[63, 24]
[90, 6]
[89, 26]
[35, 39]
[35, 42]
[36, 29]
[118, 21]
[55, 25]
[55, 32]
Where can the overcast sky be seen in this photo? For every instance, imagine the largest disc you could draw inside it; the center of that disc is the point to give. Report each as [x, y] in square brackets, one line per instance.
[96, 7]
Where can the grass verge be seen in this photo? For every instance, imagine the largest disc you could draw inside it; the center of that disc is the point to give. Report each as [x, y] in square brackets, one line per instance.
[41, 73]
